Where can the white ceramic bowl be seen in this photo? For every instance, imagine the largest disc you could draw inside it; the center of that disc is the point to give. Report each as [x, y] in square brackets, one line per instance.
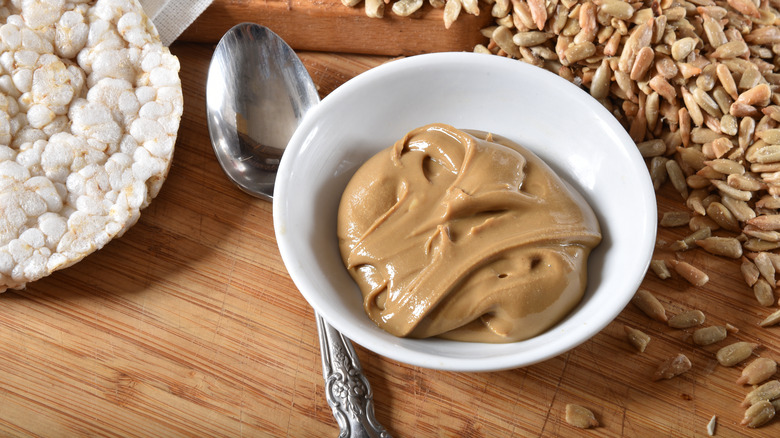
[562, 124]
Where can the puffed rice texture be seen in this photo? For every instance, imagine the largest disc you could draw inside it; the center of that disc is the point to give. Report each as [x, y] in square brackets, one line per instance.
[90, 104]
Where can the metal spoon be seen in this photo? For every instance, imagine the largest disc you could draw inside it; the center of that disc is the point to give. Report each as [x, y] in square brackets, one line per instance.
[257, 92]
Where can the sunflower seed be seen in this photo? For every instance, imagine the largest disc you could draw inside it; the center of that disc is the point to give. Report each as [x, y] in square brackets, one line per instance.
[503, 37]
[700, 222]
[750, 272]
[404, 8]
[689, 241]
[722, 246]
[530, 38]
[692, 274]
[376, 9]
[677, 177]
[722, 216]
[642, 63]
[766, 222]
[658, 171]
[649, 305]
[726, 166]
[758, 414]
[682, 48]
[740, 209]
[672, 367]
[731, 49]
[693, 108]
[664, 89]
[712, 425]
[451, 11]
[579, 416]
[727, 80]
[709, 335]
[770, 320]
[766, 392]
[764, 293]
[757, 371]
[579, 51]
[771, 136]
[747, 127]
[763, 35]
[651, 148]
[726, 190]
[675, 219]
[765, 266]
[660, 269]
[637, 338]
[687, 319]
[735, 353]
[756, 96]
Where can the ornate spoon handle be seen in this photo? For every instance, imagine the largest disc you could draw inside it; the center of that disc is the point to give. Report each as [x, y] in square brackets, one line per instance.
[346, 388]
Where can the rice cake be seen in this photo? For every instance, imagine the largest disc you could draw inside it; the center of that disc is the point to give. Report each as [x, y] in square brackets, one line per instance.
[90, 106]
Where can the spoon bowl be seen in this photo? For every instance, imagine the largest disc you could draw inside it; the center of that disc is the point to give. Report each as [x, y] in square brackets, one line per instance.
[254, 106]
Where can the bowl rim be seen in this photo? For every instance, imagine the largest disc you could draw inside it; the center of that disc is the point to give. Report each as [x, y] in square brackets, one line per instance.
[429, 360]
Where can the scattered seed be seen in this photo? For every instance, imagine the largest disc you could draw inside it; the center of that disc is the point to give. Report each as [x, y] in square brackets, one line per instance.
[757, 371]
[687, 319]
[672, 367]
[637, 338]
[770, 320]
[712, 425]
[579, 416]
[693, 275]
[689, 241]
[649, 305]
[709, 335]
[731, 329]
[767, 392]
[660, 269]
[735, 353]
[758, 414]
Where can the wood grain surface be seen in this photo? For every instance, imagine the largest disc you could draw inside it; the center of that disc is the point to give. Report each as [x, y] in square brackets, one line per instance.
[189, 325]
[329, 26]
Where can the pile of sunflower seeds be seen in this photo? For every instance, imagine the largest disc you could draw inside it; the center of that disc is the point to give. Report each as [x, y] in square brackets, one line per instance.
[695, 85]
[90, 104]
[404, 8]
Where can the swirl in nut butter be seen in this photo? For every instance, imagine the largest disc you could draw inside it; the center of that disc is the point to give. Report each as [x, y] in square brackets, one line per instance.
[464, 236]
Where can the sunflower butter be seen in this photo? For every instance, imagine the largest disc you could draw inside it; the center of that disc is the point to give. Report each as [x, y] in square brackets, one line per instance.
[464, 236]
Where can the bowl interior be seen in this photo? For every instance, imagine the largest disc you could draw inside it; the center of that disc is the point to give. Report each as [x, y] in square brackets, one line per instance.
[562, 124]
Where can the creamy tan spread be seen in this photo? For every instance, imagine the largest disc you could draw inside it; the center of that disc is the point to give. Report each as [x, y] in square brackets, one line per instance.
[464, 236]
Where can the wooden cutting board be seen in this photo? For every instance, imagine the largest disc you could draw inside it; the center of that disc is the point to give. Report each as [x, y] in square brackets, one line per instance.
[190, 326]
[329, 26]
